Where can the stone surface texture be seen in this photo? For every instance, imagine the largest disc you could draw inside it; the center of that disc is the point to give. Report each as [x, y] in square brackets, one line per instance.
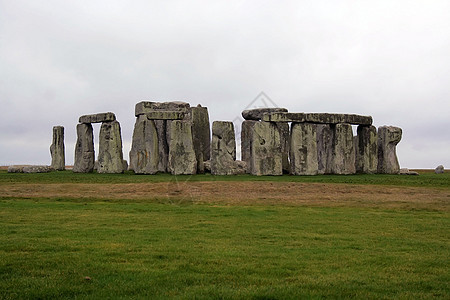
[223, 148]
[201, 135]
[144, 107]
[266, 157]
[366, 150]
[246, 141]
[343, 151]
[388, 138]
[324, 135]
[110, 155]
[303, 151]
[98, 118]
[165, 115]
[257, 113]
[319, 118]
[57, 150]
[182, 158]
[285, 138]
[84, 149]
[439, 169]
[144, 154]
[37, 169]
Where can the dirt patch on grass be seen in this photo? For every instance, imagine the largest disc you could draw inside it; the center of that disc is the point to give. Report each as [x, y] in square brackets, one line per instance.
[244, 193]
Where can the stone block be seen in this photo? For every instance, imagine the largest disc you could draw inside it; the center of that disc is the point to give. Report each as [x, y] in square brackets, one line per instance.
[266, 156]
[319, 118]
[97, 118]
[110, 155]
[388, 138]
[165, 115]
[144, 107]
[201, 135]
[366, 150]
[182, 158]
[144, 153]
[303, 151]
[343, 151]
[223, 148]
[257, 113]
[57, 150]
[324, 135]
[84, 149]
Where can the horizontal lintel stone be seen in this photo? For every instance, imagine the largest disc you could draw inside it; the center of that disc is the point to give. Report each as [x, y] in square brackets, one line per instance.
[165, 115]
[319, 118]
[97, 118]
[144, 107]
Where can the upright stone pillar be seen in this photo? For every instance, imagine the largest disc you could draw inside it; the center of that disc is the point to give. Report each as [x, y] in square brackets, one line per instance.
[57, 149]
[285, 138]
[388, 138]
[343, 157]
[144, 157]
[84, 149]
[246, 142]
[201, 135]
[110, 156]
[266, 155]
[324, 148]
[366, 150]
[223, 148]
[303, 152]
[182, 158]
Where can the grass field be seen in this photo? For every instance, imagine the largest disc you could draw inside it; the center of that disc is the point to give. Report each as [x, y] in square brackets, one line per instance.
[66, 235]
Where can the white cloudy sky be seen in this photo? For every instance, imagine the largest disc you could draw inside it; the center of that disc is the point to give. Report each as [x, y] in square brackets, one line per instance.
[385, 58]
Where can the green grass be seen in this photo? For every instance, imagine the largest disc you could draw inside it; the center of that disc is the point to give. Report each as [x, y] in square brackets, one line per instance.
[426, 179]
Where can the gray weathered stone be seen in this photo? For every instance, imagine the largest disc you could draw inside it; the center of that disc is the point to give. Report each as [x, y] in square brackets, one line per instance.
[84, 149]
[98, 118]
[257, 113]
[16, 168]
[439, 169]
[162, 131]
[404, 171]
[57, 149]
[366, 150]
[246, 141]
[165, 115]
[343, 151]
[144, 153]
[110, 155]
[285, 137]
[239, 167]
[182, 158]
[319, 118]
[207, 166]
[201, 135]
[388, 138]
[303, 151]
[223, 148]
[144, 107]
[324, 148]
[266, 156]
[37, 169]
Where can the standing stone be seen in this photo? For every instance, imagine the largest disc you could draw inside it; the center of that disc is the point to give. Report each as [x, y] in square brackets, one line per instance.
[84, 149]
[343, 151]
[223, 148]
[388, 138]
[201, 135]
[57, 149]
[163, 145]
[439, 169]
[366, 150]
[285, 137]
[324, 148]
[181, 149]
[110, 156]
[303, 152]
[144, 157]
[266, 157]
[246, 142]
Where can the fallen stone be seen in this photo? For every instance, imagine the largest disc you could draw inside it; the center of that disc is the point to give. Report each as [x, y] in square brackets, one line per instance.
[439, 169]
[16, 168]
[388, 138]
[110, 155]
[404, 171]
[223, 148]
[413, 173]
[303, 151]
[324, 148]
[343, 151]
[266, 158]
[201, 136]
[84, 149]
[165, 115]
[97, 118]
[57, 150]
[366, 150]
[37, 169]
[182, 158]
[319, 118]
[144, 153]
[144, 107]
[257, 113]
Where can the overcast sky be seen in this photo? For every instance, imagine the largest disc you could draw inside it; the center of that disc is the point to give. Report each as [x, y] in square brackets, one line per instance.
[62, 59]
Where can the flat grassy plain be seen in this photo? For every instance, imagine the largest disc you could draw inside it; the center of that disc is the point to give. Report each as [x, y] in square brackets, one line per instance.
[66, 235]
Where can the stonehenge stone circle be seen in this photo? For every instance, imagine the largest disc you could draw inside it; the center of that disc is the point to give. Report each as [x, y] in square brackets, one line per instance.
[57, 150]
[303, 151]
[388, 138]
[266, 155]
[182, 158]
[366, 149]
[110, 156]
[343, 151]
[84, 149]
